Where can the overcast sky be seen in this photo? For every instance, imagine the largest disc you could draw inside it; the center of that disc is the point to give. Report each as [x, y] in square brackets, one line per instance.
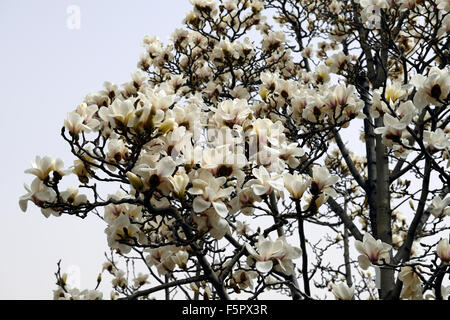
[46, 69]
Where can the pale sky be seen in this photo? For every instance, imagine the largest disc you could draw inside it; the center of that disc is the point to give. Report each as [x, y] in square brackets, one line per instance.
[46, 69]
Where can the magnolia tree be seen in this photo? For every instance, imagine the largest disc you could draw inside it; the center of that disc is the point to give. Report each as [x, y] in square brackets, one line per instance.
[232, 171]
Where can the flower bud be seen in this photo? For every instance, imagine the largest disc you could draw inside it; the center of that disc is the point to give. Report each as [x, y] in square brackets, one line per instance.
[135, 181]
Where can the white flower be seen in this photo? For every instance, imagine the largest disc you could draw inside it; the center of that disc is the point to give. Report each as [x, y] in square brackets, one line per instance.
[271, 252]
[443, 250]
[264, 182]
[179, 182]
[209, 193]
[41, 167]
[342, 291]
[71, 195]
[38, 193]
[119, 112]
[296, 184]
[440, 207]
[432, 89]
[372, 251]
[412, 285]
[322, 181]
[210, 221]
[140, 280]
[120, 231]
[231, 112]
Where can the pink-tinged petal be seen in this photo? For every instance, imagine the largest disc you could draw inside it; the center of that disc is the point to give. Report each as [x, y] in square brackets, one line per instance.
[264, 266]
[200, 204]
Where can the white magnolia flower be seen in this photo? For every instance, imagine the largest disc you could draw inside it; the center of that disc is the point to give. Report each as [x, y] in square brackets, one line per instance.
[72, 196]
[372, 251]
[140, 280]
[436, 140]
[41, 167]
[210, 221]
[440, 207]
[296, 185]
[322, 181]
[264, 182]
[231, 112]
[412, 285]
[38, 193]
[431, 89]
[342, 291]
[119, 112]
[179, 182]
[270, 252]
[209, 193]
[120, 231]
[244, 279]
[443, 250]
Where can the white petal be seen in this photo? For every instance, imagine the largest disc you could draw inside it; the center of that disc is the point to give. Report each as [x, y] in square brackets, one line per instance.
[264, 266]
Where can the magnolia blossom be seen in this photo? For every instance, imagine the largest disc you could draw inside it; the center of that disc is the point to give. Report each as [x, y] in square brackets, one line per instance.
[210, 221]
[72, 196]
[443, 250]
[244, 279]
[296, 185]
[440, 207]
[162, 258]
[372, 251]
[264, 182]
[38, 193]
[41, 167]
[270, 252]
[393, 129]
[120, 231]
[179, 182]
[431, 89]
[231, 112]
[412, 285]
[209, 193]
[342, 291]
[322, 181]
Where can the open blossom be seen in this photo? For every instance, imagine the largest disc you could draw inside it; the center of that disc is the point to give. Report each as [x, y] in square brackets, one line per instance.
[41, 167]
[431, 89]
[162, 258]
[209, 193]
[440, 207]
[412, 285]
[276, 253]
[264, 182]
[443, 250]
[342, 291]
[322, 181]
[38, 193]
[119, 112]
[72, 196]
[210, 221]
[244, 279]
[296, 184]
[393, 129]
[231, 112]
[372, 251]
[122, 230]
